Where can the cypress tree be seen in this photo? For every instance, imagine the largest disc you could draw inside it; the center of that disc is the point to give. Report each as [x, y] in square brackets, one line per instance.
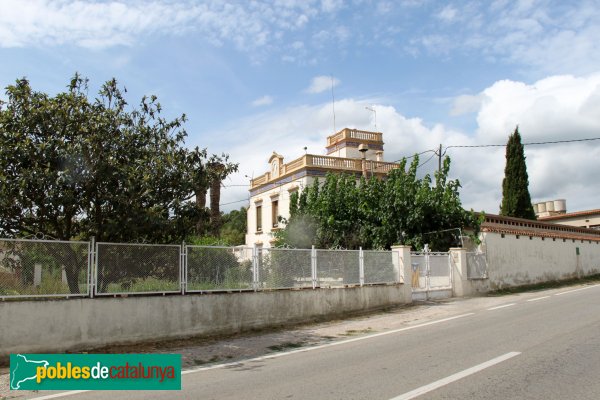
[516, 201]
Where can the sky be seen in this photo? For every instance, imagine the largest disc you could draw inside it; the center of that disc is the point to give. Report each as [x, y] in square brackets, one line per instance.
[258, 76]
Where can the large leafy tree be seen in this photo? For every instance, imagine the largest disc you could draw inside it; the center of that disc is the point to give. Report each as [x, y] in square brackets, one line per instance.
[73, 168]
[233, 230]
[375, 213]
[516, 200]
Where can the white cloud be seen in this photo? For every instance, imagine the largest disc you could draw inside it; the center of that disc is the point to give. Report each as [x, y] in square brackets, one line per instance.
[263, 101]
[465, 104]
[86, 24]
[555, 108]
[322, 83]
[447, 14]
[248, 25]
[331, 5]
[551, 109]
[545, 37]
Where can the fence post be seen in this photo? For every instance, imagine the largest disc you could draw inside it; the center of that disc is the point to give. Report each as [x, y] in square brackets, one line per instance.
[426, 251]
[402, 262]
[461, 286]
[361, 266]
[255, 267]
[182, 265]
[92, 278]
[313, 266]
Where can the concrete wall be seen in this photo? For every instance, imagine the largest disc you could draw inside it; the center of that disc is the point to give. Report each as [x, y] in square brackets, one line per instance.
[59, 325]
[515, 260]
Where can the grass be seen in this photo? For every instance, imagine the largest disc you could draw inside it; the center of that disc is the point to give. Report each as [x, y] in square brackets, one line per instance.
[48, 285]
[545, 285]
[144, 285]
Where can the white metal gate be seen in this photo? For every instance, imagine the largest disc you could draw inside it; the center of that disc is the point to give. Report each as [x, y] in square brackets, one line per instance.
[431, 275]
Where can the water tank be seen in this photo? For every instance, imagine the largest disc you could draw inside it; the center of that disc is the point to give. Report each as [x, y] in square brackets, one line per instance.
[541, 208]
[549, 206]
[560, 205]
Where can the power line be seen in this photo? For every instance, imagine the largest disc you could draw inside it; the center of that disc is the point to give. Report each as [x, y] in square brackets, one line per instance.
[233, 202]
[441, 154]
[525, 144]
[429, 159]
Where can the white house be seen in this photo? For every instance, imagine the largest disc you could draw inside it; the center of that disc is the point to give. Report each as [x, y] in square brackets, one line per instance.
[349, 150]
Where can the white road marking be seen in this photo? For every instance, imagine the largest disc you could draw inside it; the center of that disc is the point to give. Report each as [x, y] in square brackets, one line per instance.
[277, 355]
[539, 298]
[502, 306]
[322, 346]
[576, 290]
[453, 378]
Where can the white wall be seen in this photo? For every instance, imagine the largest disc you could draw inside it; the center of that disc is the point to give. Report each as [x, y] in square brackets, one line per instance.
[59, 325]
[282, 194]
[518, 260]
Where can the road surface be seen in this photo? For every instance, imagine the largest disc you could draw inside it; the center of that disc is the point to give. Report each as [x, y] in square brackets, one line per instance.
[544, 345]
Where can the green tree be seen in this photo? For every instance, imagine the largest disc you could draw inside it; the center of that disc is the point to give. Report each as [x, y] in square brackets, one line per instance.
[516, 200]
[73, 168]
[375, 213]
[233, 229]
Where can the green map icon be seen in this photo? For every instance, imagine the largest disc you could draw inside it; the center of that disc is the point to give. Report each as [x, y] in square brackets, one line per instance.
[23, 369]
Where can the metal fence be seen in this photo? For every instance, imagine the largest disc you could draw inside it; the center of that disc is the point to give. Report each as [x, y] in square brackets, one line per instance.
[218, 268]
[477, 267]
[284, 268]
[338, 268]
[379, 267]
[137, 268]
[431, 271]
[46, 268]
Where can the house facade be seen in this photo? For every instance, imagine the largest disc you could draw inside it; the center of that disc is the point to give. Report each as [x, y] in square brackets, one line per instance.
[348, 151]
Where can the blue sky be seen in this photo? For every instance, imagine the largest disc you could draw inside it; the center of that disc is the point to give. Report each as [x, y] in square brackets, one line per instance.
[255, 77]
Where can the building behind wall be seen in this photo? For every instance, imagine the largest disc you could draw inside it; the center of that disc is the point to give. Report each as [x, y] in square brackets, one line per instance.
[270, 192]
[555, 211]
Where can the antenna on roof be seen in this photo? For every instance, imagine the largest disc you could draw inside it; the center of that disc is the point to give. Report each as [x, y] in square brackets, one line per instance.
[333, 104]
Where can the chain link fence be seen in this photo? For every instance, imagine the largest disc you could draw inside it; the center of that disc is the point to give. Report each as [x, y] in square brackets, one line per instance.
[431, 271]
[218, 268]
[284, 268]
[379, 267]
[137, 268]
[476, 265]
[439, 270]
[44, 268]
[338, 268]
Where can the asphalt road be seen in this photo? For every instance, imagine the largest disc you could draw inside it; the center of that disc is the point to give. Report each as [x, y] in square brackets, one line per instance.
[542, 346]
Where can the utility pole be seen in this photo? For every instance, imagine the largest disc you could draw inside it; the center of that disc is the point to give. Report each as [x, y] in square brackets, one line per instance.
[440, 159]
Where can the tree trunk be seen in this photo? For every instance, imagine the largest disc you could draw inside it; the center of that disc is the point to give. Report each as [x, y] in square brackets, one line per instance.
[215, 212]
